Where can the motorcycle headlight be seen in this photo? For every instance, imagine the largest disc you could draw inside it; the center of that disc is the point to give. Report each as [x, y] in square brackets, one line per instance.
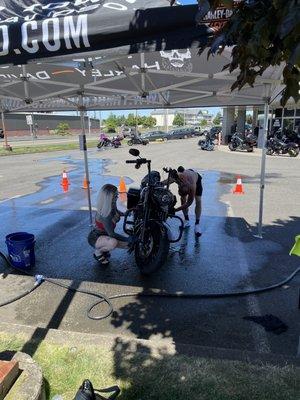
[163, 197]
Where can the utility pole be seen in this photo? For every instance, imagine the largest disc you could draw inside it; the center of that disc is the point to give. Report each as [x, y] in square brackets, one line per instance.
[6, 145]
[136, 124]
[89, 126]
[167, 120]
[100, 120]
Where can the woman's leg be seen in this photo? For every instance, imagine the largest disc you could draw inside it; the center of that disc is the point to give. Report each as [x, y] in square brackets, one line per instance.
[122, 245]
[105, 244]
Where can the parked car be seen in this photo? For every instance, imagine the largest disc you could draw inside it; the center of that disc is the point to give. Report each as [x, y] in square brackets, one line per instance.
[126, 131]
[183, 133]
[191, 132]
[156, 135]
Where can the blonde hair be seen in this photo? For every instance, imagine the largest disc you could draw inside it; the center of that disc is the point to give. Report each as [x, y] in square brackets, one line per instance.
[105, 199]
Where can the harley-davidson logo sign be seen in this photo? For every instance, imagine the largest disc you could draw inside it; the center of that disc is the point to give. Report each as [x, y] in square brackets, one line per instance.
[217, 18]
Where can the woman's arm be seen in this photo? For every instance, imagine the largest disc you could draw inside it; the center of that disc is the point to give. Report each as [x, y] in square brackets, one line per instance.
[189, 202]
[109, 229]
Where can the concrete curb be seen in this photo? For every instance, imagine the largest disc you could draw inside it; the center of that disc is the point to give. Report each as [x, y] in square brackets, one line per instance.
[29, 384]
[153, 347]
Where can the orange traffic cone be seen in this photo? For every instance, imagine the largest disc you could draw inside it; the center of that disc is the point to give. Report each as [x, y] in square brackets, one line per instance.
[123, 197]
[85, 183]
[64, 179]
[65, 188]
[239, 186]
[122, 185]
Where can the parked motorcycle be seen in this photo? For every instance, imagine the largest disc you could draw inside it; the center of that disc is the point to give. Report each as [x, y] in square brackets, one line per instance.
[243, 141]
[137, 140]
[148, 209]
[105, 141]
[276, 145]
[208, 143]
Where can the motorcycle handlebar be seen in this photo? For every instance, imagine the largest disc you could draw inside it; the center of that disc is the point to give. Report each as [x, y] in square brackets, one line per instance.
[139, 161]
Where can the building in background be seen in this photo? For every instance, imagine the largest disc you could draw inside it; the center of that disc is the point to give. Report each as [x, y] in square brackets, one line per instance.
[164, 117]
[191, 116]
[44, 124]
[287, 118]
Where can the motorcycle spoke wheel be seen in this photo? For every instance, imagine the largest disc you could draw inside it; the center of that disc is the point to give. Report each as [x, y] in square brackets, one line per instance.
[293, 152]
[152, 255]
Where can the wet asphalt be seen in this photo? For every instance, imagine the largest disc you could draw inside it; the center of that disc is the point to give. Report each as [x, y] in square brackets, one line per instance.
[226, 258]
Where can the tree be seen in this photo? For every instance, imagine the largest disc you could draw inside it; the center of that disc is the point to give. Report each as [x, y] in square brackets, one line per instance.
[249, 119]
[263, 33]
[217, 119]
[111, 123]
[178, 120]
[121, 120]
[149, 122]
[62, 129]
[130, 120]
[203, 123]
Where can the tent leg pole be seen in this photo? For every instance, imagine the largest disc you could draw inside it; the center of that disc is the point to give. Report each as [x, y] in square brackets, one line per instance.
[263, 171]
[86, 163]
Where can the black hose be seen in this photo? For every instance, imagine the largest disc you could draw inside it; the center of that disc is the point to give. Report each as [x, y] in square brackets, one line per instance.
[39, 279]
[20, 296]
[153, 293]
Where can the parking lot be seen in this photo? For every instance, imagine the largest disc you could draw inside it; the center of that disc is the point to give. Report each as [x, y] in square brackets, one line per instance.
[227, 257]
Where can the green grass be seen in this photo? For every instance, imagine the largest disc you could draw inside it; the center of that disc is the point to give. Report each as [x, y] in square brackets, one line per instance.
[150, 377]
[44, 148]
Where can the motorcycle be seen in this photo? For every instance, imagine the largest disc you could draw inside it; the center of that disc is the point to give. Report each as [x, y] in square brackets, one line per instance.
[240, 141]
[208, 144]
[116, 141]
[105, 141]
[137, 140]
[276, 145]
[148, 210]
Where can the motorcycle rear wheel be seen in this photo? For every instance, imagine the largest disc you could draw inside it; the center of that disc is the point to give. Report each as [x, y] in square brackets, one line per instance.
[269, 151]
[100, 144]
[231, 147]
[130, 143]
[157, 250]
[250, 149]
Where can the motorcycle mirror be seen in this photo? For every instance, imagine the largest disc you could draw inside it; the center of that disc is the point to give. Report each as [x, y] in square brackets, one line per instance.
[134, 152]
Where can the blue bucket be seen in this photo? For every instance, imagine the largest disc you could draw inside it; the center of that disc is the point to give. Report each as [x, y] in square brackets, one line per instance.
[20, 246]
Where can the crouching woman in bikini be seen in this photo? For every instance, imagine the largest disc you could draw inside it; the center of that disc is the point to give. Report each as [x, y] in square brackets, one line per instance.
[103, 237]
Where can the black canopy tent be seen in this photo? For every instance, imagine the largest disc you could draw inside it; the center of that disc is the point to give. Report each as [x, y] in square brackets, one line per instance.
[100, 69]
[35, 29]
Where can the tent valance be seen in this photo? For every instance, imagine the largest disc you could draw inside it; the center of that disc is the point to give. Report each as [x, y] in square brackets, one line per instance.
[31, 29]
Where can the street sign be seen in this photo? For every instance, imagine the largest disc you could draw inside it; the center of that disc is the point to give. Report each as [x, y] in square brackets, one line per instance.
[29, 120]
[276, 123]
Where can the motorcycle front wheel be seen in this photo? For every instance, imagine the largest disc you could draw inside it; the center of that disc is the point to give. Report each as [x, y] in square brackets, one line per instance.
[99, 145]
[270, 151]
[152, 254]
[130, 143]
[231, 147]
[293, 151]
[250, 149]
